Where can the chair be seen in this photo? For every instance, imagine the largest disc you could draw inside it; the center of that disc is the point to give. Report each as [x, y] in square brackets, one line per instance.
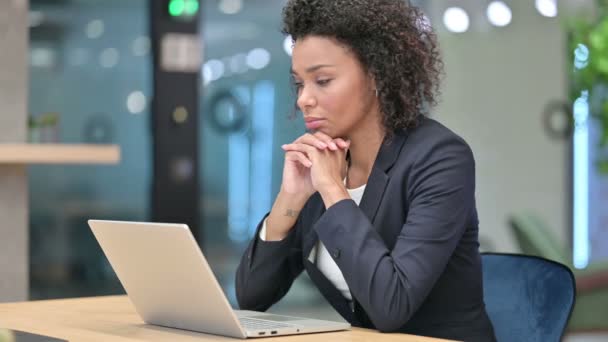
[527, 298]
[591, 309]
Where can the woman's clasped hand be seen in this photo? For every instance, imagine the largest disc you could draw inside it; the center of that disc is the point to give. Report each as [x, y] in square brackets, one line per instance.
[314, 162]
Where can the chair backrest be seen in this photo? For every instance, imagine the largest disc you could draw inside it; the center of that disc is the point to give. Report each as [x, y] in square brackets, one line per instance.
[527, 298]
[535, 238]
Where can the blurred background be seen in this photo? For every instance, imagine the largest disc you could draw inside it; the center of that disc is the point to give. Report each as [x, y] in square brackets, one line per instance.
[521, 86]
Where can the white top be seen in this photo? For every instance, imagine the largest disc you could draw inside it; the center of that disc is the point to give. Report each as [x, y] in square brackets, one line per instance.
[325, 263]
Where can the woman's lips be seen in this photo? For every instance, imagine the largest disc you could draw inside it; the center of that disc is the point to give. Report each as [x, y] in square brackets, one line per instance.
[314, 123]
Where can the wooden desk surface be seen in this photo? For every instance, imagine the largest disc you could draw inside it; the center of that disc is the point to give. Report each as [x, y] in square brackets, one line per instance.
[113, 318]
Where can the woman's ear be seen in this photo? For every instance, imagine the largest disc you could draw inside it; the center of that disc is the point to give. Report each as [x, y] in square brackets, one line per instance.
[374, 87]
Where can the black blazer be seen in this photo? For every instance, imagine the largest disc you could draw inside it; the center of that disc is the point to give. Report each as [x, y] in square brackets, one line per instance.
[408, 252]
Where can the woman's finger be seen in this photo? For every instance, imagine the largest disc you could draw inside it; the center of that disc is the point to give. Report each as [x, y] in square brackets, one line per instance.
[342, 143]
[299, 147]
[298, 157]
[312, 140]
[326, 139]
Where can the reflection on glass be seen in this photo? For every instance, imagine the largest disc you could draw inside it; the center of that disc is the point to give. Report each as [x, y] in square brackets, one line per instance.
[95, 106]
[581, 181]
[261, 150]
[238, 174]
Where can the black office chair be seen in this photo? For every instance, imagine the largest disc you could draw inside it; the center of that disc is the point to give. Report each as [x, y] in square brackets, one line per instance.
[528, 298]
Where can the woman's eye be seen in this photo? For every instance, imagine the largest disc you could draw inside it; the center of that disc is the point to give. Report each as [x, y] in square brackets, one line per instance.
[323, 82]
[297, 85]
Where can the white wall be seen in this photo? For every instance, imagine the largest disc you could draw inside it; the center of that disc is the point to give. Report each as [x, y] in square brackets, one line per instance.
[498, 81]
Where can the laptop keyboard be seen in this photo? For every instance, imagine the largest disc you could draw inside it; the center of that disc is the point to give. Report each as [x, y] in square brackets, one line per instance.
[258, 324]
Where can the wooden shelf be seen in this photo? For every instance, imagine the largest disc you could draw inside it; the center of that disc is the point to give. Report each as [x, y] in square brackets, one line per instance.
[59, 154]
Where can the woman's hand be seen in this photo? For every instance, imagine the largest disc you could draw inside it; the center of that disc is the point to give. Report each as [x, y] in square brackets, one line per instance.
[325, 160]
[297, 168]
[298, 183]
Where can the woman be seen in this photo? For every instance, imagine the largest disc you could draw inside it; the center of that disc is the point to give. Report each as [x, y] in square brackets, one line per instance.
[377, 201]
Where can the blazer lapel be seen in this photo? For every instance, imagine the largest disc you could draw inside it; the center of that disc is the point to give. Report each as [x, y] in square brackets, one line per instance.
[378, 179]
[376, 185]
[374, 190]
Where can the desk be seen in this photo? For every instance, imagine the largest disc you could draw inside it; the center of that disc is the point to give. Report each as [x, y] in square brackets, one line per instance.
[113, 318]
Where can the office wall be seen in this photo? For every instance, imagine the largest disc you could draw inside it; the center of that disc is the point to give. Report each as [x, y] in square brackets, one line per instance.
[13, 70]
[498, 83]
[13, 179]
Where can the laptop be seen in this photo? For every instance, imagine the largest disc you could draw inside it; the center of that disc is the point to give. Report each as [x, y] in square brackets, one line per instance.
[170, 283]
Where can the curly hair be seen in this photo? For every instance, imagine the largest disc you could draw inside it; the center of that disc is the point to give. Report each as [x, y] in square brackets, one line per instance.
[391, 39]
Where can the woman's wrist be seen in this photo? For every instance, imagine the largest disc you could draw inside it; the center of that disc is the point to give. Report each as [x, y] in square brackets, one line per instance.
[334, 194]
[293, 197]
[284, 214]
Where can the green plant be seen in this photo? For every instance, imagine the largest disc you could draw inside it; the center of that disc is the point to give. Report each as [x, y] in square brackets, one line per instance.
[44, 120]
[589, 41]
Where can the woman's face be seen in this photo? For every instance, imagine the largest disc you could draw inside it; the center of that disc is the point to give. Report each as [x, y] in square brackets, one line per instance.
[334, 92]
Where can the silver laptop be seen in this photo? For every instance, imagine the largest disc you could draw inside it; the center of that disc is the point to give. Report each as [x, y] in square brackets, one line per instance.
[171, 284]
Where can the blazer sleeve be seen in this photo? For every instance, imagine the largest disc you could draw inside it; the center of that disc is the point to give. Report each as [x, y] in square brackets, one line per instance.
[392, 284]
[268, 268]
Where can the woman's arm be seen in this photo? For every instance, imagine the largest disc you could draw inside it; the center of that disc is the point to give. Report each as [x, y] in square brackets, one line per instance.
[392, 284]
[283, 215]
[270, 265]
[268, 268]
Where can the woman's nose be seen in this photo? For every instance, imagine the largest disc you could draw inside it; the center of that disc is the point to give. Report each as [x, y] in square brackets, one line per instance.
[306, 99]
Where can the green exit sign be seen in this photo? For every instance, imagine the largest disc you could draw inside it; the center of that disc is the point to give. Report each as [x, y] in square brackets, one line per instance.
[183, 8]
